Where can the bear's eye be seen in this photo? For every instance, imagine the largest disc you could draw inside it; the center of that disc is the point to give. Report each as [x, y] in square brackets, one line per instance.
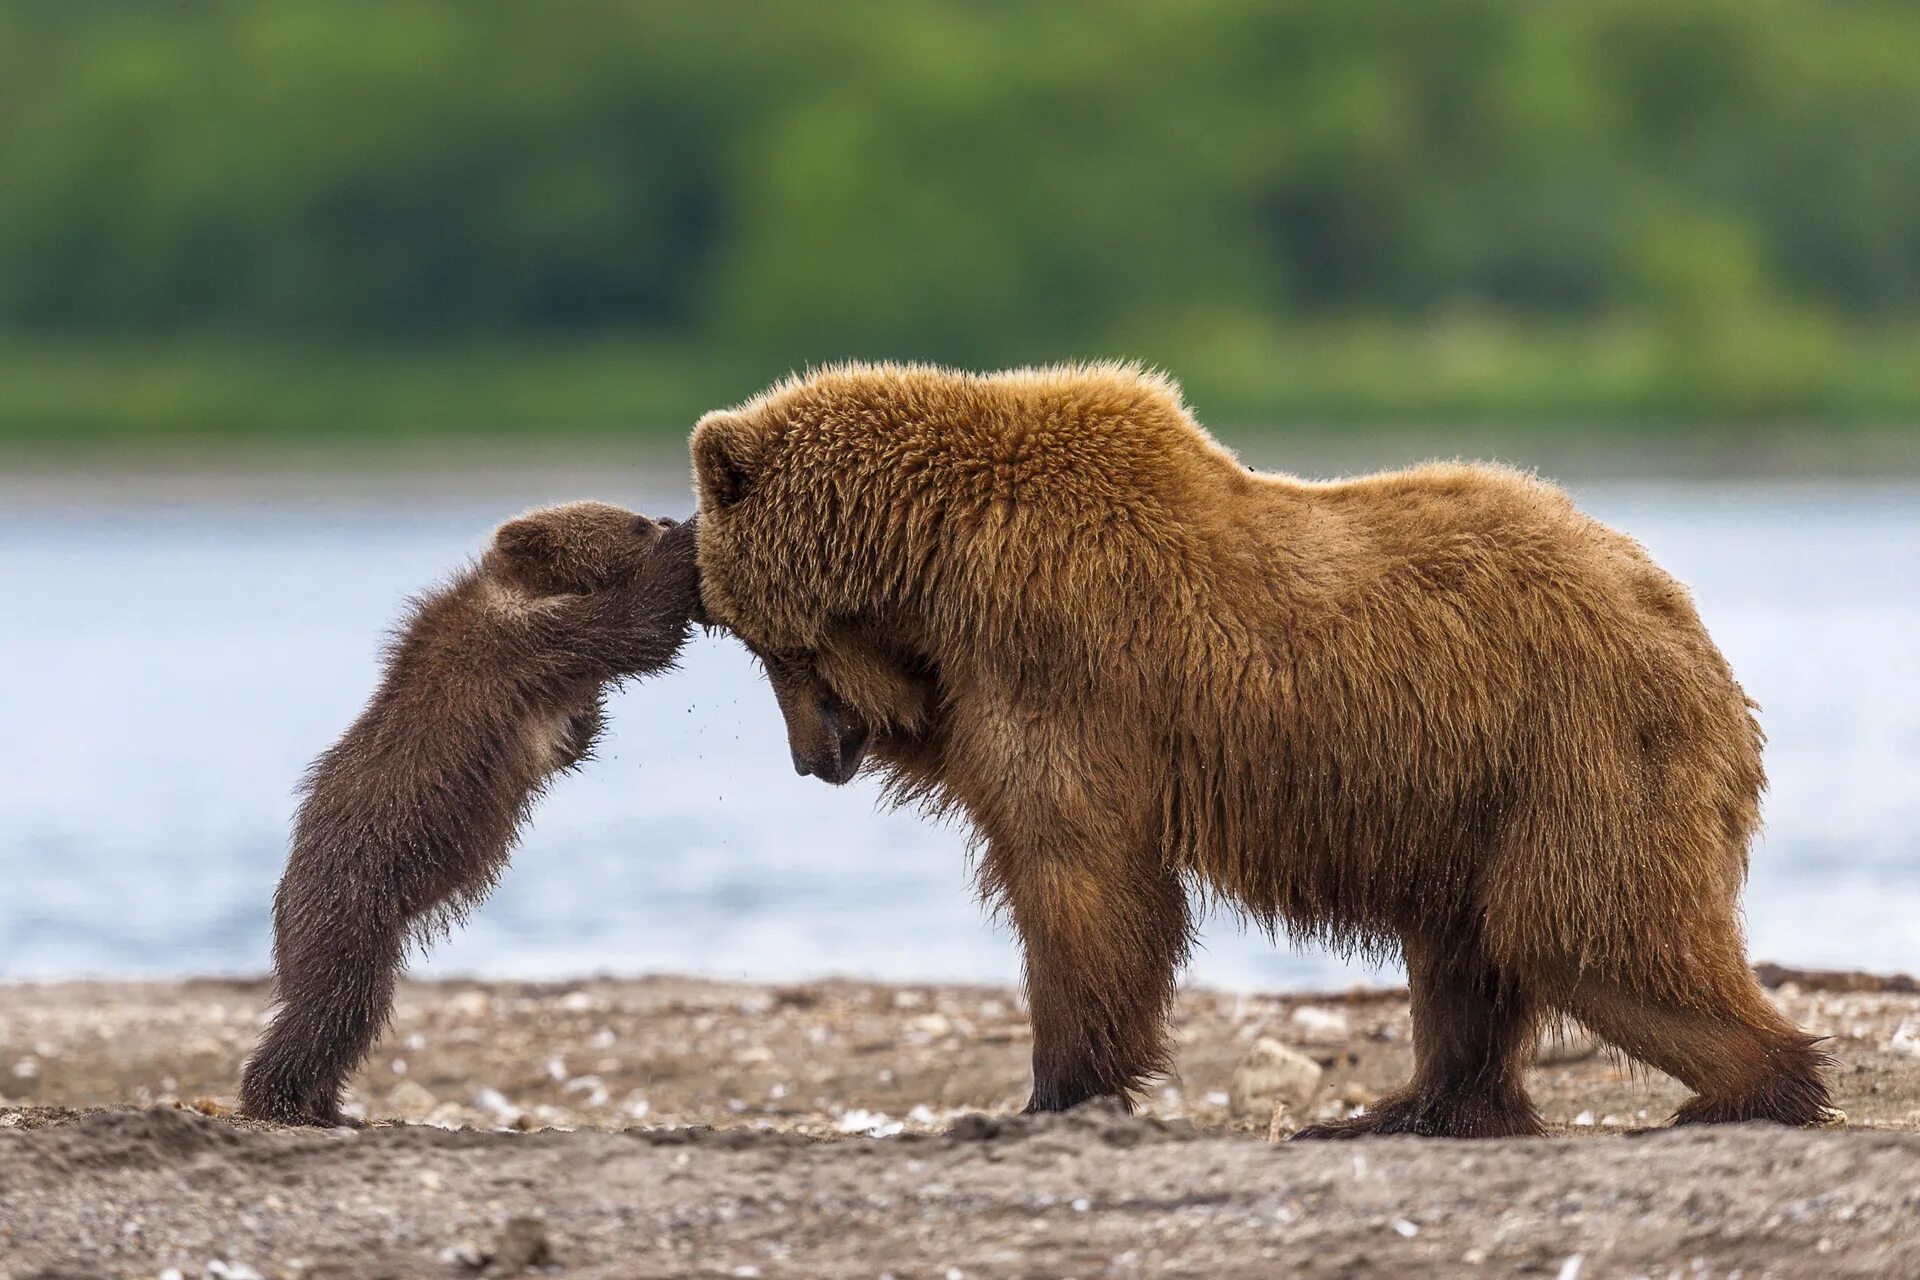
[777, 662]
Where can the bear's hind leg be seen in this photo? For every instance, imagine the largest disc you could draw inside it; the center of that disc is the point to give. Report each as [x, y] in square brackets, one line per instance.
[1473, 1037]
[1723, 1039]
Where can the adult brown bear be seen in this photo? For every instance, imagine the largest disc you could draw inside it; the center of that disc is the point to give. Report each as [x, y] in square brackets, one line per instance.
[1436, 712]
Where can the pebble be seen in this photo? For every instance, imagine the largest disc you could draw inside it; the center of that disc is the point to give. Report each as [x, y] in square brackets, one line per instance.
[493, 1102]
[1560, 1045]
[471, 1004]
[518, 1246]
[874, 1124]
[411, 1101]
[461, 1253]
[218, 1270]
[1355, 1094]
[522, 1243]
[1272, 1074]
[592, 1086]
[1906, 1040]
[451, 1115]
[1317, 1023]
[929, 1026]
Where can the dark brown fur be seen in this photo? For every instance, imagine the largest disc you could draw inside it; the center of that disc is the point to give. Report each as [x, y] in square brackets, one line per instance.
[1436, 712]
[493, 686]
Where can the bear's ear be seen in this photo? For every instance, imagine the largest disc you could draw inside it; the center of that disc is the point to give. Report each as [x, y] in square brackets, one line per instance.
[527, 540]
[726, 453]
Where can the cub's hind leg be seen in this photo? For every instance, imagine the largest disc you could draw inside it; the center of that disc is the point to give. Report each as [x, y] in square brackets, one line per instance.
[1474, 1029]
[334, 983]
[344, 915]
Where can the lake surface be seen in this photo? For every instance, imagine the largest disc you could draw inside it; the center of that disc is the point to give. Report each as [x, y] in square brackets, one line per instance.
[169, 666]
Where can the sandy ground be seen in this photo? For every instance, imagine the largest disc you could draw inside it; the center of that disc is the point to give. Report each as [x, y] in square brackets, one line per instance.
[673, 1127]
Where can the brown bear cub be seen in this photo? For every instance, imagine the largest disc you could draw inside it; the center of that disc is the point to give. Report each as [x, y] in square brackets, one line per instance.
[1435, 713]
[493, 686]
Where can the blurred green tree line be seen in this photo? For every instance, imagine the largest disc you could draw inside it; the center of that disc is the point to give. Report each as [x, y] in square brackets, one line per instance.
[439, 211]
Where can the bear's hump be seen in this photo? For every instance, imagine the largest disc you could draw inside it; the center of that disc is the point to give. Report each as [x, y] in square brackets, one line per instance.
[1119, 383]
[1071, 430]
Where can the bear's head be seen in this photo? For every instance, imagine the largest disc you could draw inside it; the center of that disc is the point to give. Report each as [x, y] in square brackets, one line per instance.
[575, 549]
[772, 541]
[886, 535]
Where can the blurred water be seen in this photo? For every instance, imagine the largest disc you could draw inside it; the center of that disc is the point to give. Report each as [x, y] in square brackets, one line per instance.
[170, 668]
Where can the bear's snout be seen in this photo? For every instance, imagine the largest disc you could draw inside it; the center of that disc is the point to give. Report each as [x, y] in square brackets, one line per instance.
[837, 757]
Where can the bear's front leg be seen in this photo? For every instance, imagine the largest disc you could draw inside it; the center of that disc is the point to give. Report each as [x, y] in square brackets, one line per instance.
[1104, 938]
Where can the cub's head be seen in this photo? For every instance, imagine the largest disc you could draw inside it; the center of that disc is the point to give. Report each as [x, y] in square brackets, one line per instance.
[577, 548]
[782, 566]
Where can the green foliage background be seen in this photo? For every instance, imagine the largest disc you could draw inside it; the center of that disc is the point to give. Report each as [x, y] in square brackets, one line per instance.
[306, 217]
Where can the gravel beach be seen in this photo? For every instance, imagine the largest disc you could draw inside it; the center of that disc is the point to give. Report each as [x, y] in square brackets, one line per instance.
[680, 1127]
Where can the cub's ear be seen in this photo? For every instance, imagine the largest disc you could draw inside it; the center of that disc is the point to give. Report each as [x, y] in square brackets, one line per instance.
[527, 540]
[726, 454]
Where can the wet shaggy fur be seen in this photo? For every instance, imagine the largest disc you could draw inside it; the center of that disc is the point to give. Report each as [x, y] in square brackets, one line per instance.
[1436, 713]
[493, 686]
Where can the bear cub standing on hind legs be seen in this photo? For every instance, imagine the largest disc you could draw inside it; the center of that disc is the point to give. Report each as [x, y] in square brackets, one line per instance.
[492, 688]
